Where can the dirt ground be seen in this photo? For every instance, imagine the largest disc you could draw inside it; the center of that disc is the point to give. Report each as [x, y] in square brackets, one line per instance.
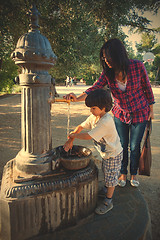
[10, 140]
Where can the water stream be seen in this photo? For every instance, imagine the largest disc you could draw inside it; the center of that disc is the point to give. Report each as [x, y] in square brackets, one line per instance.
[68, 121]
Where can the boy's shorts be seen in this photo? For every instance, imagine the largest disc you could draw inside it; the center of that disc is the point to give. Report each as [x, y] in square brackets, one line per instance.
[111, 168]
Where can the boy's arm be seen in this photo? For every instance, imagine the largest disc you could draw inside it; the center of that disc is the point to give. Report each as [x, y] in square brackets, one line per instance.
[77, 132]
[78, 129]
[83, 136]
[72, 96]
[69, 144]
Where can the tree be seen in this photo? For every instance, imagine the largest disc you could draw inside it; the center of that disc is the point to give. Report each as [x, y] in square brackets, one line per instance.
[70, 29]
[148, 40]
[8, 70]
[156, 52]
[113, 14]
[76, 38]
[76, 29]
[149, 44]
[7, 75]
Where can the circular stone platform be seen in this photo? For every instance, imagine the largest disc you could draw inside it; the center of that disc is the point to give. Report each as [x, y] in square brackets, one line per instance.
[129, 219]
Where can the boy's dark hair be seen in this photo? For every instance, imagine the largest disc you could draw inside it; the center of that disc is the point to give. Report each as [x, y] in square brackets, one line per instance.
[100, 98]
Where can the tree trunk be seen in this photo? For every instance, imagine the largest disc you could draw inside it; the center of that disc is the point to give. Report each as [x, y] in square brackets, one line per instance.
[1, 60]
[157, 75]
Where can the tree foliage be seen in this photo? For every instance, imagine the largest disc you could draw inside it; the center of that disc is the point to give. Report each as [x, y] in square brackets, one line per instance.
[76, 29]
[148, 41]
[149, 44]
[7, 75]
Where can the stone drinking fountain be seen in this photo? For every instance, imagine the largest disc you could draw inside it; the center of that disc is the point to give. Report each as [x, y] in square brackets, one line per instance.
[43, 189]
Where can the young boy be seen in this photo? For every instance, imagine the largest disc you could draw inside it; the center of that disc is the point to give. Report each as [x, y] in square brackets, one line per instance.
[106, 140]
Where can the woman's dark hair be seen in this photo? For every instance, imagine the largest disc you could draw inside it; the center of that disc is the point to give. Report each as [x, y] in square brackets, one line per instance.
[116, 55]
[100, 98]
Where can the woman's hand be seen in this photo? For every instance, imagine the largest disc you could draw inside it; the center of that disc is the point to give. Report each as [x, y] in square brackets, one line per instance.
[151, 114]
[71, 96]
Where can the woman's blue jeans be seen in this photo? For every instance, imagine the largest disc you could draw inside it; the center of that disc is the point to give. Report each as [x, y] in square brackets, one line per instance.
[130, 134]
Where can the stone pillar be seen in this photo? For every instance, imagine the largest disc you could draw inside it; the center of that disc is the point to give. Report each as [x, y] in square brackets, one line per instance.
[35, 155]
[35, 56]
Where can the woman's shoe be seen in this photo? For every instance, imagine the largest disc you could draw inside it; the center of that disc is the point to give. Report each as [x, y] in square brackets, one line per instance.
[134, 183]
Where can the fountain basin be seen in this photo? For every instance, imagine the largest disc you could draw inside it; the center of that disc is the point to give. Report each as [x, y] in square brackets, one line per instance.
[77, 158]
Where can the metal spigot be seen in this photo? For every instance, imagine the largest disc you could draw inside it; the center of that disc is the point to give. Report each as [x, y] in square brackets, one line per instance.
[63, 100]
[53, 100]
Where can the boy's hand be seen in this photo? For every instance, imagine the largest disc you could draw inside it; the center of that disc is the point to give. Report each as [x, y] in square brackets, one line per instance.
[68, 145]
[71, 136]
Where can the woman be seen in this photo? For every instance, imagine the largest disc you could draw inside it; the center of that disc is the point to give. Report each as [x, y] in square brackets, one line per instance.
[133, 101]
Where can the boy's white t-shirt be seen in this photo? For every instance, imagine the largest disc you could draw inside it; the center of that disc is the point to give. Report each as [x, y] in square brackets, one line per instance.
[104, 134]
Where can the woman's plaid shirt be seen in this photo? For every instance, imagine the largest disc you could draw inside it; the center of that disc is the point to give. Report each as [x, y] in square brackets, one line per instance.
[132, 105]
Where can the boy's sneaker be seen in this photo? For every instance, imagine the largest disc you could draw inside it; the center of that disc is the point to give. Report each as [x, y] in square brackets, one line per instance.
[121, 183]
[103, 208]
[102, 192]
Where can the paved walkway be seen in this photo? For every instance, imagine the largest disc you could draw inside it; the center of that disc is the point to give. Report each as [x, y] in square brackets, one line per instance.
[129, 219]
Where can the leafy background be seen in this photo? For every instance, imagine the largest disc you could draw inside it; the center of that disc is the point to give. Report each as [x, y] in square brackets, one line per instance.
[76, 30]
